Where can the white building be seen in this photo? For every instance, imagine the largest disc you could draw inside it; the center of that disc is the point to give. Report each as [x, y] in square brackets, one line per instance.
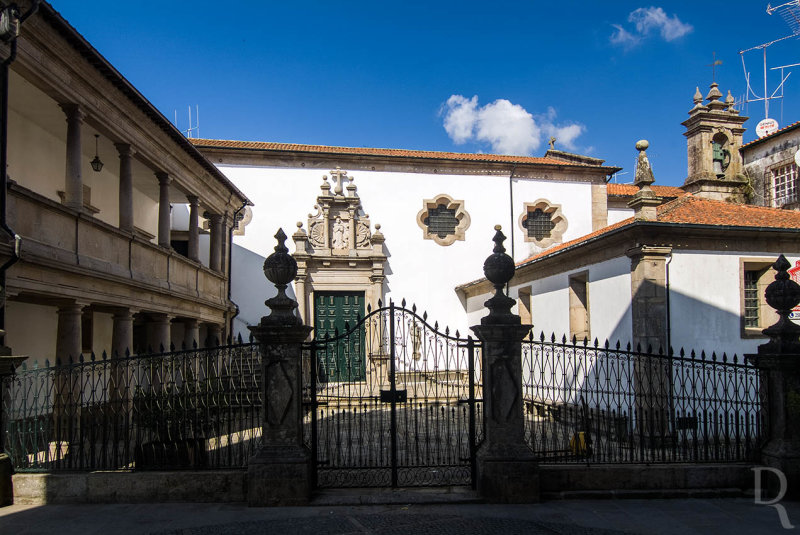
[435, 210]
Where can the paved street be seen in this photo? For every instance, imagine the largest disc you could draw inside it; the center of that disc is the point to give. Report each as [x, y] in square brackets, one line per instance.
[609, 516]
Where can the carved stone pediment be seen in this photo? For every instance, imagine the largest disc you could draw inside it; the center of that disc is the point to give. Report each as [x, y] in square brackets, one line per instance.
[341, 251]
[339, 227]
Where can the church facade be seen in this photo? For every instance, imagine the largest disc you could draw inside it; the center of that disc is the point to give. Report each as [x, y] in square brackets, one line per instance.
[374, 225]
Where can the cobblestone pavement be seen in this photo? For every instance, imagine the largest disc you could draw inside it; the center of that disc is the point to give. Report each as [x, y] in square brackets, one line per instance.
[611, 516]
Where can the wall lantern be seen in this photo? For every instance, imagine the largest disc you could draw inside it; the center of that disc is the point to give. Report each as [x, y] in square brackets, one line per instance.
[97, 165]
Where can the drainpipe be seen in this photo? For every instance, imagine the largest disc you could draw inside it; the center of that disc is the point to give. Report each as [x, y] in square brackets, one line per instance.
[669, 326]
[230, 267]
[511, 217]
[10, 21]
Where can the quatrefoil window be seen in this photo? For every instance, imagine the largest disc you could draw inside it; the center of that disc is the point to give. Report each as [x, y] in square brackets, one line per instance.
[443, 219]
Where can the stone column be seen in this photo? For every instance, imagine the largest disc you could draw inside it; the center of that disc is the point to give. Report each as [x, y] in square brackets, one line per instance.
[121, 346]
[163, 209]
[122, 333]
[215, 245]
[194, 229]
[778, 362]
[66, 382]
[158, 333]
[652, 375]
[214, 336]
[281, 472]
[507, 470]
[68, 335]
[73, 183]
[191, 333]
[125, 187]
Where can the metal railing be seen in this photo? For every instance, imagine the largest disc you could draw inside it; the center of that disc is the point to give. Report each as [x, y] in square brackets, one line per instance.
[589, 403]
[196, 409]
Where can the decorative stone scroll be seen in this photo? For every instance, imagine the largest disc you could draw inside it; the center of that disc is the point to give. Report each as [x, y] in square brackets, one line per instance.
[341, 250]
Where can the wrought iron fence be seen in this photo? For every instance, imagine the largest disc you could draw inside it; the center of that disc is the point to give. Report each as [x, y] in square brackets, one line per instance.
[199, 408]
[394, 401]
[590, 403]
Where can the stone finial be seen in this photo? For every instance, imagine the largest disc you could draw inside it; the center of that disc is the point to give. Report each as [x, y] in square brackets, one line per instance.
[499, 269]
[698, 97]
[644, 202]
[325, 187]
[729, 100]
[714, 93]
[783, 295]
[280, 269]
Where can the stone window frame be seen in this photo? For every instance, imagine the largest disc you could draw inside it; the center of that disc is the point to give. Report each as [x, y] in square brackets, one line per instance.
[556, 216]
[451, 204]
[793, 185]
[767, 315]
[580, 322]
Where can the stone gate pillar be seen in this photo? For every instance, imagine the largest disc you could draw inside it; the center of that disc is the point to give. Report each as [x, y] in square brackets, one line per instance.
[778, 362]
[507, 471]
[281, 472]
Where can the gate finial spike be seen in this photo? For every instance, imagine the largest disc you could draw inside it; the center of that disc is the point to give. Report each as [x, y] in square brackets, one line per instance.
[369, 308]
[447, 330]
[414, 308]
[239, 338]
[457, 334]
[436, 326]
[403, 303]
[424, 316]
[380, 303]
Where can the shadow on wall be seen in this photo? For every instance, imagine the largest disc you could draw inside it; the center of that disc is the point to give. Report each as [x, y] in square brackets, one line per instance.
[250, 288]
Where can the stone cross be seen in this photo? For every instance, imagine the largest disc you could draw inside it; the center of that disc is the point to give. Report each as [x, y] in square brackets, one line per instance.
[552, 142]
[339, 176]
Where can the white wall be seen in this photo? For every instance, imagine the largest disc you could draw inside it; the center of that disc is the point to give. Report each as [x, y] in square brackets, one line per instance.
[705, 306]
[418, 270]
[615, 215]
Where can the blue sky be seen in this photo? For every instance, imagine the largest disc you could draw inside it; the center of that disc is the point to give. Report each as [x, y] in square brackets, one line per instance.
[455, 76]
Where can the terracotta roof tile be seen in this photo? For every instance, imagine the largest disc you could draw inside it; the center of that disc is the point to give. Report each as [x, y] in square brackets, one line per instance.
[692, 210]
[365, 151]
[630, 190]
[776, 133]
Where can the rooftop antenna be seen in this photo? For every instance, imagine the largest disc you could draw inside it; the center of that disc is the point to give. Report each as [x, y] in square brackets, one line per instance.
[790, 11]
[192, 131]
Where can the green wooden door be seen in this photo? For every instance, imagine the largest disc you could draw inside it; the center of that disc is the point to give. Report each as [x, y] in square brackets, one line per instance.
[343, 360]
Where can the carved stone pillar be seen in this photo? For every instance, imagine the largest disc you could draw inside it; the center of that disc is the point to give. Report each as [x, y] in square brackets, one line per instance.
[194, 229]
[125, 186]
[281, 472]
[164, 238]
[73, 182]
[778, 362]
[215, 243]
[507, 470]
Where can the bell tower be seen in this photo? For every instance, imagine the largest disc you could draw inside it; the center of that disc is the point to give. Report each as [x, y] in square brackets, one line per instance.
[713, 138]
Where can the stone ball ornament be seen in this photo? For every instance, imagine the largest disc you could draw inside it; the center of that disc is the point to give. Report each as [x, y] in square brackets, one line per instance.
[499, 267]
[783, 293]
[279, 267]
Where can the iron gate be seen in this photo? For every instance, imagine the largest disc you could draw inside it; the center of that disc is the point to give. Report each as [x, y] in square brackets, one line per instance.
[412, 418]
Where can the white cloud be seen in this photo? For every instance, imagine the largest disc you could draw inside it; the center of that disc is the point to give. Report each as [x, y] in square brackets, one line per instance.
[648, 20]
[623, 37]
[507, 127]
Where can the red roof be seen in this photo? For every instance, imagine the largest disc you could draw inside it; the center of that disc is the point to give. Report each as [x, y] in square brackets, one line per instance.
[775, 133]
[365, 151]
[629, 190]
[692, 210]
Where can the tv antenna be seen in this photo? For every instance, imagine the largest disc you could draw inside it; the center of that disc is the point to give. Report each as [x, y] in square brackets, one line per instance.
[790, 11]
[192, 131]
